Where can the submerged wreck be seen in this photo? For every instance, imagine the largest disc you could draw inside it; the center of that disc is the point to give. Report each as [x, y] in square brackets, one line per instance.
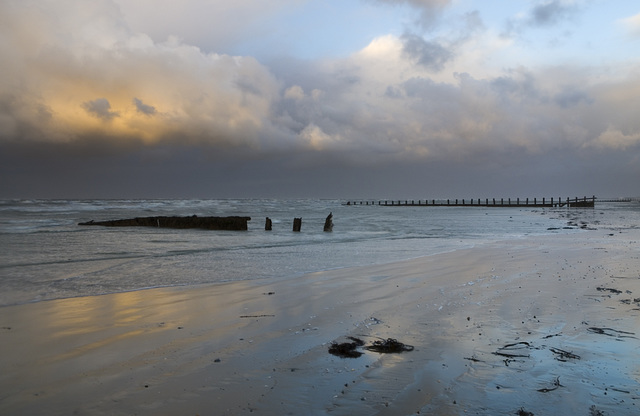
[206, 223]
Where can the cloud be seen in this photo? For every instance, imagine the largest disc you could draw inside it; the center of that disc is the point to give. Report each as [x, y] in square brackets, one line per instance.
[294, 92]
[100, 108]
[544, 14]
[429, 54]
[144, 108]
[430, 10]
[613, 138]
[550, 13]
[212, 26]
[631, 25]
[113, 96]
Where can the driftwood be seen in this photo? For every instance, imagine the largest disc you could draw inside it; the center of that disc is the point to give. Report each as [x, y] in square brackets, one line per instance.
[207, 223]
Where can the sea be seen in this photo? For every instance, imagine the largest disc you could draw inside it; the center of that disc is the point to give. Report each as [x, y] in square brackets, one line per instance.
[46, 255]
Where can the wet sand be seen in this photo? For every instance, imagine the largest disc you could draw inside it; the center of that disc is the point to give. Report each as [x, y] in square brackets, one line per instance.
[541, 325]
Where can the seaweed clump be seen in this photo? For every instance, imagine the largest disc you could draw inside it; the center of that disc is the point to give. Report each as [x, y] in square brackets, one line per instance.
[347, 349]
[350, 349]
[389, 345]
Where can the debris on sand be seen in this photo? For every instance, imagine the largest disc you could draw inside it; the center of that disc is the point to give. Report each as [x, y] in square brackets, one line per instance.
[610, 332]
[389, 345]
[347, 349]
[350, 349]
[556, 384]
[562, 355]
[509, 350]
[606, 289]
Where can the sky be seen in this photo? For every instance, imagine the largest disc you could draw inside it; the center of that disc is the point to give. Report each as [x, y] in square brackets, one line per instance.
[342, 99]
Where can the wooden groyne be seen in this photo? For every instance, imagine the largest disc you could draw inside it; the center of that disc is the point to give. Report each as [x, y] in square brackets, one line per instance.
[206, 223]
[493, 202]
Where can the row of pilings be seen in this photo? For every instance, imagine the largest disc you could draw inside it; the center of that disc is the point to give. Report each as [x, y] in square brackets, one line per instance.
[297, 224]
[576, 202]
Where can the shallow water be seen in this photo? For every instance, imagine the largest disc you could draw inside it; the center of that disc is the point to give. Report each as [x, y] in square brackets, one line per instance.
[46, 255]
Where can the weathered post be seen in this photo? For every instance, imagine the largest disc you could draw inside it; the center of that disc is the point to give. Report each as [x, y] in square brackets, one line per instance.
[297, 224]
[267, 224]
[328, 223]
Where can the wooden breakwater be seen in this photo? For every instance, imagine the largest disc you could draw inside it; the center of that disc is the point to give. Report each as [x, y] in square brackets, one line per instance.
[206, 223]
[576, 202]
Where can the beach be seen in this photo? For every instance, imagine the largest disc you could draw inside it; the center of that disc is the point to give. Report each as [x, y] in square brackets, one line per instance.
[538, 325]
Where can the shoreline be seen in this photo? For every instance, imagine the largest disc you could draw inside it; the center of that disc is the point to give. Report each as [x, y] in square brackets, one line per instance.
[262, 345]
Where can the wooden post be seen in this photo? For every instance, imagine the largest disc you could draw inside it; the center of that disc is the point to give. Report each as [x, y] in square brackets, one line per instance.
[518, 201]
[297, 224]
[267, 225]
[328, 223]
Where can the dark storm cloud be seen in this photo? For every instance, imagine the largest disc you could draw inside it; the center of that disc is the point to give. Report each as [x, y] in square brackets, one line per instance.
[428, 54]
[416, 112]
[430, 10]
[144, 108]
[544, 14]
[571, 96]
[550, 13]
[100, 108]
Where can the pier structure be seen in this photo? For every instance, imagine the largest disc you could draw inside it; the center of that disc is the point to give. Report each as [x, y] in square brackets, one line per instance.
[576, 202]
